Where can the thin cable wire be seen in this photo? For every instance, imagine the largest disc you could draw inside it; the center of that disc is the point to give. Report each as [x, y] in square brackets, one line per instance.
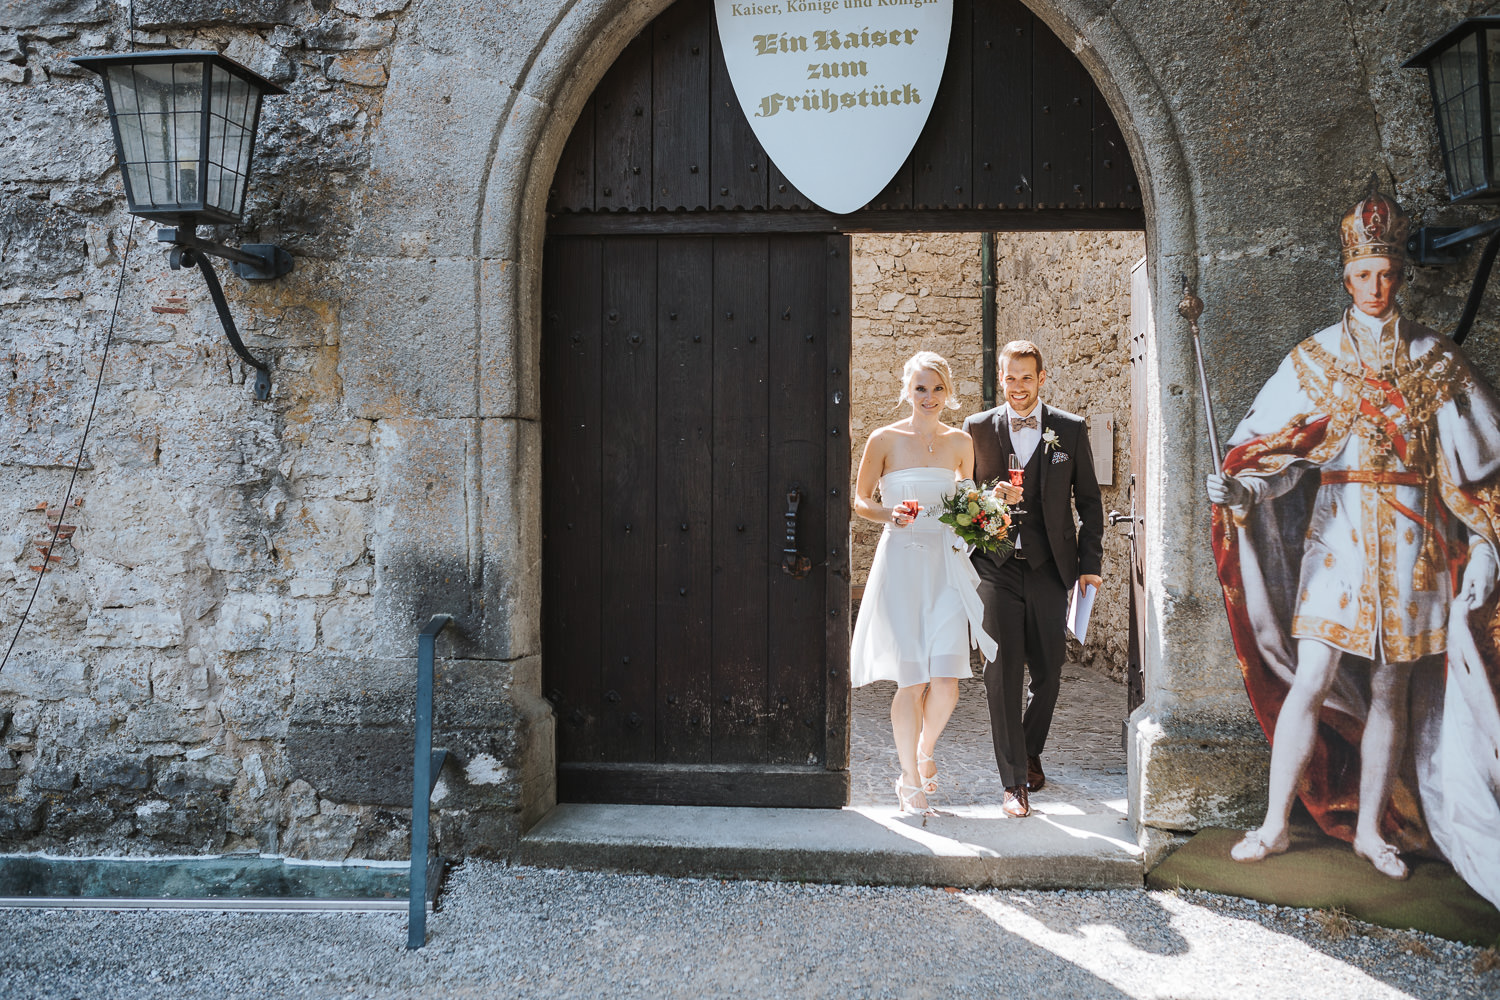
[77, 462]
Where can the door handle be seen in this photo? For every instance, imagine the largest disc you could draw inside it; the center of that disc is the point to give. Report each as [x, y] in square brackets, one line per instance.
[793, 563]
[1115, 517]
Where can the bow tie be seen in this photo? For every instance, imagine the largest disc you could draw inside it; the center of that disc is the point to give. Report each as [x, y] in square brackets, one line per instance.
[1017, 423]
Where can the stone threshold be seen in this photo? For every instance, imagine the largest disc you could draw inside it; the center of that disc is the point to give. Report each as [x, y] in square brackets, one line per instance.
[863, 845]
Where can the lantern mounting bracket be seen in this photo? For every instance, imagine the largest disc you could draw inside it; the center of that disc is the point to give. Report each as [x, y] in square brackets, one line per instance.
[1439, 245]
[253, 261]
[189, 251]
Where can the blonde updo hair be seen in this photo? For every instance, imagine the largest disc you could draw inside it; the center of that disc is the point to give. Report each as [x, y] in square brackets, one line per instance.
[923, 361]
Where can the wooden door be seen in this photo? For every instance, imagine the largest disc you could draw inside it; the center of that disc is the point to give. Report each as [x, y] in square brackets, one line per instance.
[1141, 332]
[690, 384]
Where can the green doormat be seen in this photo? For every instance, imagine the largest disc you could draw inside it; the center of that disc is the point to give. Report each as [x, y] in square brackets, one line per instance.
[1322, 873]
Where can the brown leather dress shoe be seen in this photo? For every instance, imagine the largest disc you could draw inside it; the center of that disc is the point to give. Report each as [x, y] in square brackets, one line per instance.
[1015, 803]
[1035, 779]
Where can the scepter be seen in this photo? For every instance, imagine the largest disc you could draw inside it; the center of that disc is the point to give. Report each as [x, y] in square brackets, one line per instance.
[1190, 308]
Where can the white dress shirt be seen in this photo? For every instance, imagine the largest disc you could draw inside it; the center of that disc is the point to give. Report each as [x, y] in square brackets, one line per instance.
[1023, 442]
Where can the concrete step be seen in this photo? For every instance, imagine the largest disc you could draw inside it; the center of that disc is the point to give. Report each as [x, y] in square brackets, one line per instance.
[863, 845]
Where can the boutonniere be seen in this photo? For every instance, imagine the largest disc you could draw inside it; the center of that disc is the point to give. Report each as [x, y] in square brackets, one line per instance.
[1049, 436]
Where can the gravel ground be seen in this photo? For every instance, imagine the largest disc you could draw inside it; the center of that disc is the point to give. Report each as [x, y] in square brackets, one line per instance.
[525, 932]
[507, 931]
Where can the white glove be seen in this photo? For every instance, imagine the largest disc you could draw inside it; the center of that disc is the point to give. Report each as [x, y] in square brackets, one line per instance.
[1228, 491]
[1479, 577]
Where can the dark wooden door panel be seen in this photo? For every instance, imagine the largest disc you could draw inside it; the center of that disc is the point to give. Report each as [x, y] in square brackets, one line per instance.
[1114, 179]
[740, 171]
[783, 193]
[1062, 111]
[741, 497]
[691, 382]
[942, 156]
[684, 501]
[897, 191]
[836, 624]
[780, 786]
[622, 130]
[1002, 108]
[571, 519]
[798, 440]
[573, 182]
[627, 494]
[682, 61]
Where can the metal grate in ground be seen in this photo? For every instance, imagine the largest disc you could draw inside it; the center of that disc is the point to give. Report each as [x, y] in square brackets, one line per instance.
[228, 882]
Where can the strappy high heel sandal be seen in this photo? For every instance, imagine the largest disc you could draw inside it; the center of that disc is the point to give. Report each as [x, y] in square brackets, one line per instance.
[929, 785]
[905, 793]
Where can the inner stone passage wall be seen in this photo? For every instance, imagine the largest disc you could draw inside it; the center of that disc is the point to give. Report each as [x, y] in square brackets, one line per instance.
[912, 292]
[1068, 292]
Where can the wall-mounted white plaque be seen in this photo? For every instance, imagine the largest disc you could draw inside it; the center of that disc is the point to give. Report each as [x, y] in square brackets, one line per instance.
[837, 91]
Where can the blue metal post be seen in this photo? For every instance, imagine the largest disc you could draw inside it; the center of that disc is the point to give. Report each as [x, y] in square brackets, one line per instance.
[424, 776]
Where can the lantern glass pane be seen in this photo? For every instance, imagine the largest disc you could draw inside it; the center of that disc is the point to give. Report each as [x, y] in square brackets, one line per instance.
[128, 118]
[243, 103]
[187, 90]
[232, 109]
[1475, 127]
[140, 183]
[1491, 50]
[221, 188]
[1457, 81]
[159, 114]
[122, 89]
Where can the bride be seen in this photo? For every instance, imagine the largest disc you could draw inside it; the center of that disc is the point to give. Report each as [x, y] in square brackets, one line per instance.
[921, 609]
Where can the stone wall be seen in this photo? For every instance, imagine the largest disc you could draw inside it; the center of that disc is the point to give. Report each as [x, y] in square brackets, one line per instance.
[1069, 292]
[196, 673]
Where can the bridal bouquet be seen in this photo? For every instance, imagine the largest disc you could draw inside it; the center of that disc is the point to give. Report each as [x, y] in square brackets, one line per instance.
[978, 516]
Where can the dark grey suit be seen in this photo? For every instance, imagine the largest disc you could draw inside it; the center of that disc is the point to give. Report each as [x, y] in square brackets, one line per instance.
[1026, 598]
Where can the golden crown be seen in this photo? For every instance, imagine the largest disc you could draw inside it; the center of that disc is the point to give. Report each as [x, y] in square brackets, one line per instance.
[1376, 227]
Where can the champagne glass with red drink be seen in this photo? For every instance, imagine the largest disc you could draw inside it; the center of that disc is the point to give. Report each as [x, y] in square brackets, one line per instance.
[1017, 477]
[911, 507]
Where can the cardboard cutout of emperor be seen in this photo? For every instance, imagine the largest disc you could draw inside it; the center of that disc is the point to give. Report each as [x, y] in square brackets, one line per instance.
[1355, 530]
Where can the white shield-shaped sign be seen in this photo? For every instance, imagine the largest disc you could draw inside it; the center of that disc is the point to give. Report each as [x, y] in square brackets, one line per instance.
[837, 91]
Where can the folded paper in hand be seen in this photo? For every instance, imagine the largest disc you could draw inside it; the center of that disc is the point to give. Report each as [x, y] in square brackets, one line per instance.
[1080, 606]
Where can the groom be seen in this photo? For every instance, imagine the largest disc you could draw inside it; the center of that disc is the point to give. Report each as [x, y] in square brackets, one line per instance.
[1025, 593]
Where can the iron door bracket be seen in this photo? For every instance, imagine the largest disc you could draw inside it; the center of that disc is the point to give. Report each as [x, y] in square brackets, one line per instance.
[793, 563]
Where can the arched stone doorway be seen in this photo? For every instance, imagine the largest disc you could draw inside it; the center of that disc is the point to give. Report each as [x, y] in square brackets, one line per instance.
[578, 188]
[531, 130]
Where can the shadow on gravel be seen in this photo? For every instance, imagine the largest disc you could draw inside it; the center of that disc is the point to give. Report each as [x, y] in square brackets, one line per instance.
[1018, 915]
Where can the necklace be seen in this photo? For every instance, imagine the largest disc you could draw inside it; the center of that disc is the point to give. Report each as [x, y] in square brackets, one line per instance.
[930, 439]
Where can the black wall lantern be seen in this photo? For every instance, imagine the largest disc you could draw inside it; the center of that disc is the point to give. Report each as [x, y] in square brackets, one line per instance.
[184, 127]
[1463, 69]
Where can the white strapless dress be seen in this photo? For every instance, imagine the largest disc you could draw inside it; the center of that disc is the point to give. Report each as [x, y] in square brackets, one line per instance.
[921, 610]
